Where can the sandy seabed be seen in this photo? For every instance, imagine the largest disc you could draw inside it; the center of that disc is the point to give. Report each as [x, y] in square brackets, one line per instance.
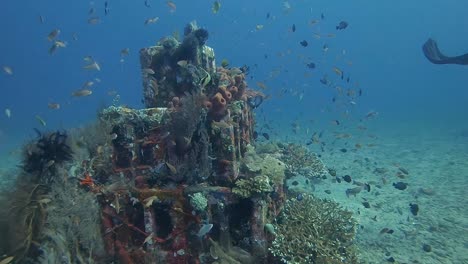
[437, 166]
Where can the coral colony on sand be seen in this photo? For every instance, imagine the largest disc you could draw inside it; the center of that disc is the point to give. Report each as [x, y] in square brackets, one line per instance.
[181, 181]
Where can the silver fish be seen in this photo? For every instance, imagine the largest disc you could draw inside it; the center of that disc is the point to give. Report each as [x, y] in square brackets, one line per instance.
[204, 229]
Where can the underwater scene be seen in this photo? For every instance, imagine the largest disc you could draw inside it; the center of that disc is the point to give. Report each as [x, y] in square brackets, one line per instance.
[232, 132]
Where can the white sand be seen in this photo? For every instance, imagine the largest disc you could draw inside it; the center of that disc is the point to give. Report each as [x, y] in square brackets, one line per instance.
[435, 162]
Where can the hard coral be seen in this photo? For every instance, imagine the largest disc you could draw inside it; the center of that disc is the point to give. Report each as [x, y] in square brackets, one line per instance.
[253, 186]
[300, 161]
[314, 231]
[266, 164]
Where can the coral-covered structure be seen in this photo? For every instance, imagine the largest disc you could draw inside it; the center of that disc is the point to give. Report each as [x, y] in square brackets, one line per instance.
[179, 163]
[177, 182]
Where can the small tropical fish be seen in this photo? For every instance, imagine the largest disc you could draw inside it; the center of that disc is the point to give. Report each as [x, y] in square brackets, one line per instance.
[386, 230]
[206, 80]
[7, 260]
[75, 36]
[325, 48]
[371, 114]
[331, 35]
[147, 4]
[171, 168]
[87, 84]
[216, 6]
[94, 20]
[82, 92]
[324, 80]
[149, 239]
[41, 19]
[338, 71]
[52, 49]
[316, 35]
[125, 52]
[40, 120]
[261, 85]
[204, 229]
[342, 25]
[313, 22]
[224, 63]
[286, 6]
[88, 59]
[54, 106]
[259, 27]
[304, 43]
[53, 34]
[414, 208]
[172, 6]
[182, 63]
[151, 20]
[91, 11]
[353, 191]
[106, 8]
[60, 44]
[149, 201]
[293, 28]
[148, 71]
[400, 185]
[8, 70]
[92, 66]
[310, 65]
[8, 112]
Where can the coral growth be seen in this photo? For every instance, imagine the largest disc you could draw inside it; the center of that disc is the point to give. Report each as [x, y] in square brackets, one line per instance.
[198, 201]
[314, 231]
[253, 186]
[265, 164]
[300, 161]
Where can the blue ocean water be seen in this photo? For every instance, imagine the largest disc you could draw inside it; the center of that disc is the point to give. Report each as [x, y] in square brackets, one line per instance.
[380, 51]
[383, 43]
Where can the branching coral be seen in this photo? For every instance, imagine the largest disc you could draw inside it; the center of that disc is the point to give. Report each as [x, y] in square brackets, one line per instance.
[314, 231]
[299, 161]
